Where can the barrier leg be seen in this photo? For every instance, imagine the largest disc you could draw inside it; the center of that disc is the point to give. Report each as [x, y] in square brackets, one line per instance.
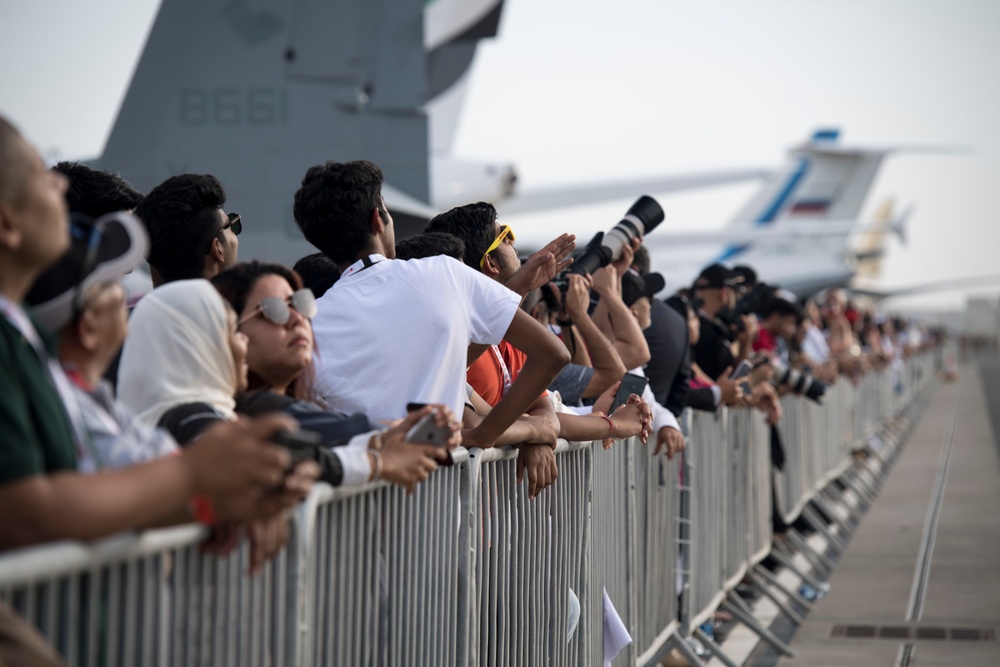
[785, 608]
[714, 648]
[814, 520]
[826, 508]
[770, 578]
[855, 515]
[735, 607]
[818, 560]
[780, 556]
[677, 642]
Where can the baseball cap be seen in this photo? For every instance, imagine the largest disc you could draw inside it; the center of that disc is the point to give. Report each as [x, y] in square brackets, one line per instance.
[635, 286]
[100, 250]
[717, 276]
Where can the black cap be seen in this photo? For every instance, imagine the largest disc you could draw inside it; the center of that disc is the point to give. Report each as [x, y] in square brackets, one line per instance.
[716, 276]
[635, 286]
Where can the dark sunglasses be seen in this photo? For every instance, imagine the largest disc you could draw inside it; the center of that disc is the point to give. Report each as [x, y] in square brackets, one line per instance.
[278, 310]
[235, 223]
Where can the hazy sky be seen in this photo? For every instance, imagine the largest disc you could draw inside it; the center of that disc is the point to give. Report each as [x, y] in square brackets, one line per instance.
[586, 90]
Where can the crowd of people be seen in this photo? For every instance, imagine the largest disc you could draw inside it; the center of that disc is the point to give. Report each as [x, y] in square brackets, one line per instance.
[223, 394]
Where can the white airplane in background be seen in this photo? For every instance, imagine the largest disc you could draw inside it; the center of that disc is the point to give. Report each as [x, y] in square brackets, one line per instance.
[255, 93]
[796, 231]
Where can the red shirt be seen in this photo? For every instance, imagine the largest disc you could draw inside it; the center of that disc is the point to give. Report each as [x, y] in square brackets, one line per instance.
[765, 341]
[487, 375]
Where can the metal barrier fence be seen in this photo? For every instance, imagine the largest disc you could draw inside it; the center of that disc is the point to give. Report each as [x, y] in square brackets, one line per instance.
[467, 570]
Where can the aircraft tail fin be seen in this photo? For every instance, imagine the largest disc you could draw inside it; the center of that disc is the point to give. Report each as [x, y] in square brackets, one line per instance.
[821, 181]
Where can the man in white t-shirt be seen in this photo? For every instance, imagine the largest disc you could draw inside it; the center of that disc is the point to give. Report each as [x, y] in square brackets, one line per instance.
[392, 332]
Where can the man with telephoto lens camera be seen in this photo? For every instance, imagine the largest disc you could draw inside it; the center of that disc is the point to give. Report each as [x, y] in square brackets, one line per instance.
[641, 218]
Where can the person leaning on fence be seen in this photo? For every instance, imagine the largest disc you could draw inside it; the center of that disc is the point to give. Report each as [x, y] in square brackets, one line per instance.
[42, 496]
[274, 312]
[394, 332]
[669, 366]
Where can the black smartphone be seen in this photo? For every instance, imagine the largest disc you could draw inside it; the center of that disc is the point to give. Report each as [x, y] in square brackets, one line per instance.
[301, 445]
[631, 384]
[413, 407]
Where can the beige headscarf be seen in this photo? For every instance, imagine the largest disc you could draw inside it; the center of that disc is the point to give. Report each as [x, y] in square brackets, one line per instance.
[177, 351]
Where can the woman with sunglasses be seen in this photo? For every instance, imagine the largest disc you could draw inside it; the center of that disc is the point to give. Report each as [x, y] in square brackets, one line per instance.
[274, 312]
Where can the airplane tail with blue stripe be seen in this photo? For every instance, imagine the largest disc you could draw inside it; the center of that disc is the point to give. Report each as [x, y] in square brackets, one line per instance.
[821, 181]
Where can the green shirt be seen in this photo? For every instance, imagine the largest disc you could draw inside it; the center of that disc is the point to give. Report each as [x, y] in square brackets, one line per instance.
[35, 433]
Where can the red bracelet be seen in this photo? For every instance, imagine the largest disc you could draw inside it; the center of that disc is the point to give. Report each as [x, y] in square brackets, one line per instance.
[611, 433]
[201, 507]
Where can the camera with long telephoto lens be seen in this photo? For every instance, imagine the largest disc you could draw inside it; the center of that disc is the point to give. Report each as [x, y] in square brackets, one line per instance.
[641, 218]
[799, 382]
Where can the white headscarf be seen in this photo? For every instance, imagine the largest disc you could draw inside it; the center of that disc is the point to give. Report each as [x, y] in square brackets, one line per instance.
[177, 351]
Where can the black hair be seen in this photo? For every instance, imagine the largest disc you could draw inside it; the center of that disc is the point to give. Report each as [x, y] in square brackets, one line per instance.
[431, 244]
[235, 285]
[181, 215]
[779, 306]
[333, 207]
[96, 192]
[318, 272]
[474, 224]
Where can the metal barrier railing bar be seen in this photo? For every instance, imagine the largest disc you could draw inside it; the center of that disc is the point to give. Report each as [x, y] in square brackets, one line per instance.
[467, 570]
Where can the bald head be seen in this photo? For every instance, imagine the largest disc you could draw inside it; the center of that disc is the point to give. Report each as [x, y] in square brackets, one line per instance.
[11, 161]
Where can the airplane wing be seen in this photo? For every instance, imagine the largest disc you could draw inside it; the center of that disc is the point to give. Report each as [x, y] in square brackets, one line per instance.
[562, 197]
[923, 288]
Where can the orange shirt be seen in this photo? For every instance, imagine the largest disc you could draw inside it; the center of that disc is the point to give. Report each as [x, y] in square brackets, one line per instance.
[486, 375]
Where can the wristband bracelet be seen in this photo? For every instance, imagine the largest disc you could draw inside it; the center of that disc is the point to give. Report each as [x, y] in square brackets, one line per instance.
[611, 432]
[201, 507]
[376, 457]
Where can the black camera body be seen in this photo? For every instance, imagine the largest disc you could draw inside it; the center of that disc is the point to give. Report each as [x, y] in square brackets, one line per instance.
[640, 219]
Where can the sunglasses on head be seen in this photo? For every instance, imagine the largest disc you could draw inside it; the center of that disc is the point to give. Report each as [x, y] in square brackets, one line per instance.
[278, 310]
[505, 231]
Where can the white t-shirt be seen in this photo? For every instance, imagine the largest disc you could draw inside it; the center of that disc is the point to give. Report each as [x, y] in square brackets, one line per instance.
[398, 332]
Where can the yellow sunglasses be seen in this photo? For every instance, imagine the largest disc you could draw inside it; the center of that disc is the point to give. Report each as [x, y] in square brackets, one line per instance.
[505, 231]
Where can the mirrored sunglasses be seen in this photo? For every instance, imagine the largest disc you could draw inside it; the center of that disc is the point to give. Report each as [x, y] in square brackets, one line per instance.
[278, 310]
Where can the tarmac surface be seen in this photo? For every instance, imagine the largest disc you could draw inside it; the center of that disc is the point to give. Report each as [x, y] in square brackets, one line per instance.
[919, 583]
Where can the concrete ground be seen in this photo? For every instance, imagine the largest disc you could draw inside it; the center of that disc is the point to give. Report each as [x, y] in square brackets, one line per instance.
[874, 580]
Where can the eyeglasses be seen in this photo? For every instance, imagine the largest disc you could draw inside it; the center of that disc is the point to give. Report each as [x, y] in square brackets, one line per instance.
[505, 231]
[235, 223]
[278, 310]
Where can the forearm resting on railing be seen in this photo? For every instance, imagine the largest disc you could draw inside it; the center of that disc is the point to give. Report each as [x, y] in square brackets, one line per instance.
[84, 507]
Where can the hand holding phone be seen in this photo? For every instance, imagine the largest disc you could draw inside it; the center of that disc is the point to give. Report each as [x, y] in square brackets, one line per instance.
[743, 370]
[631, 384]
[427, 432]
